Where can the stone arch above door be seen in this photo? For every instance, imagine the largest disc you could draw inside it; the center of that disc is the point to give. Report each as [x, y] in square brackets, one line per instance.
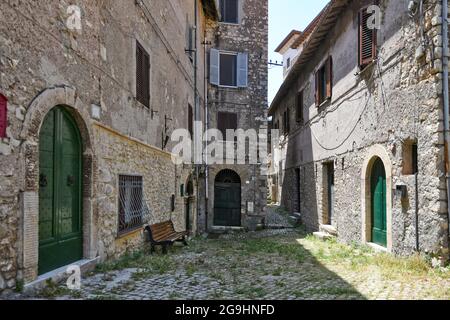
[374, 153]
[36, 113]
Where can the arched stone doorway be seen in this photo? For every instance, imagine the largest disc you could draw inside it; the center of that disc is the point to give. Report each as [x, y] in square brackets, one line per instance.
[376, 186]
[60, 191]
[35, 120]
[227, 199]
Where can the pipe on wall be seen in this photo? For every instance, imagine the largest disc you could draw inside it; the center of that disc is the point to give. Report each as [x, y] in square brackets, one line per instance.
[445, 97]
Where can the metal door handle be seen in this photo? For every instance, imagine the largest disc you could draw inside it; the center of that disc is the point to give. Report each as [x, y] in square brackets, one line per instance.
[70, 181]
[43, 181]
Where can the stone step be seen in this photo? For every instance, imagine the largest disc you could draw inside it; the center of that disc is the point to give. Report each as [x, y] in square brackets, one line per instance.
[324, 228]
[322, 235]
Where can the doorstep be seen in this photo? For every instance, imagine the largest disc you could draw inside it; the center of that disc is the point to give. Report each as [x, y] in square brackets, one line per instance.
[377, 247]
[59, 275]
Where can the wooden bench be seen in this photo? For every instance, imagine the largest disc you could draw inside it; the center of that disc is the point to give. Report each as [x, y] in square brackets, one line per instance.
[164, 234]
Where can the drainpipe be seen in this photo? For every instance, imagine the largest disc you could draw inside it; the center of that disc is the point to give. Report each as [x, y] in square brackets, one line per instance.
[205, 43]
[196, 112]
[445, 86]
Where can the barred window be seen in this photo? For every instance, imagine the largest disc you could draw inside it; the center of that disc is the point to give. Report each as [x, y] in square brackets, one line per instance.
[131, 203]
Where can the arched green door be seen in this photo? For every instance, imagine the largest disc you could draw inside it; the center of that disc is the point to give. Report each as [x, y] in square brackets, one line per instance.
[60, 192]
[227, 199]
[378, 189]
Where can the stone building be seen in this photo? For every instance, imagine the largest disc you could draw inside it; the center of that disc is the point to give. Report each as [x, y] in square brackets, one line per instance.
[90, 94]
[361, 120]
[237, 99]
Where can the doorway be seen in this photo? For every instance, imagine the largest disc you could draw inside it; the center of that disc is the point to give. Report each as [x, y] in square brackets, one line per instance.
[378, 200]
[227, 199]
[60, 191]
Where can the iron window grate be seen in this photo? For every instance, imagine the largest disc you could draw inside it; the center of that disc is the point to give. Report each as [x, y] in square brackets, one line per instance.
[131, 203]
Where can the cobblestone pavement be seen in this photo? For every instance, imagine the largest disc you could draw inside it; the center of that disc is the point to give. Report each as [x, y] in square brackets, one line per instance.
[271, 264]
[277, 220]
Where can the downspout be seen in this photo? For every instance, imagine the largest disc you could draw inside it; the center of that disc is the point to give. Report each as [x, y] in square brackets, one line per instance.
[196, 112]
[206, 134]
[445, 96]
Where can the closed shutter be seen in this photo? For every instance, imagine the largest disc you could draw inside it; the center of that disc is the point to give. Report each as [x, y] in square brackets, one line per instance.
[317, 90]
[142, 76]
[329, 75]
[214, 67]
[226, 121]
[3, 116]
[242, 68]
[367, 39]
[191, 121]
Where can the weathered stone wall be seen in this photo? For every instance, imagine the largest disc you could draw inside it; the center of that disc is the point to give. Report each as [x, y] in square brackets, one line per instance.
[395, 100]
[250, 104]
[44, 64]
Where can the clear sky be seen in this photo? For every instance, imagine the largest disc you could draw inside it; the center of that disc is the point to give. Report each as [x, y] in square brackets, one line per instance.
[285, 15]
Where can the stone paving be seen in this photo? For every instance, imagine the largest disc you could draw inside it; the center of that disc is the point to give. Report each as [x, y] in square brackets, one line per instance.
[281, 264]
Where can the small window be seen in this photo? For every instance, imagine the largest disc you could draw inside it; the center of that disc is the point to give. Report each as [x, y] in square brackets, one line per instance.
[300, 105]
[191, 121]
[286, 124]
[229, 11]
[131, 203]
[226, 121]
[142, 75]
[367, 40]
[410, 158]
[228, 70]
[288, 63]
[324, 82]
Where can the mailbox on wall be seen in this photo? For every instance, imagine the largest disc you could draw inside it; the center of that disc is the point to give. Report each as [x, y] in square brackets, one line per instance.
[3, 115]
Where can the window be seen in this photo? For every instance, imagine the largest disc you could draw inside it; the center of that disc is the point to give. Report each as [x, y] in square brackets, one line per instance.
[286, 124]
[131, 203]
[191, 121]
[142, 75]
[3, 115]
[410, 158]
[288, 63]
[367, 40]
[228, 69]
[324, 82]
[229, 11]
[226, 121]
[299, 105]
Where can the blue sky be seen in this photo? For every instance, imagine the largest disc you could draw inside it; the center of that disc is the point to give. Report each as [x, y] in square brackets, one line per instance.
[285, 15]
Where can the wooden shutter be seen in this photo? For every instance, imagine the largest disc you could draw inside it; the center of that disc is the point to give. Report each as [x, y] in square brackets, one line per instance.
[191, 121]
[226, 121]
[242, 70]
[142, 75]
[367, 40]
[3, 116]
[329, 75]
[214, 67]
[317, 89]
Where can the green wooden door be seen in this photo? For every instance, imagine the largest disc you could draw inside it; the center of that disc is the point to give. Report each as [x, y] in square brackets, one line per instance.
[227, 212]
[60, 190]
[378, 187]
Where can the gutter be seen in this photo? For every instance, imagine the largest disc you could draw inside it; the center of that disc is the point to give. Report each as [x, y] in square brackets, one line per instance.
[445, 97]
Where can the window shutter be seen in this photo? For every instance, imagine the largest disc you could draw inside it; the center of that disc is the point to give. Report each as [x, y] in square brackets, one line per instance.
[214, 67]
[191, 121]
[367, 40]
[139, 73]
[146, 72]
[3, 116]
[242, 66]
[317, 96]
[329, 75]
